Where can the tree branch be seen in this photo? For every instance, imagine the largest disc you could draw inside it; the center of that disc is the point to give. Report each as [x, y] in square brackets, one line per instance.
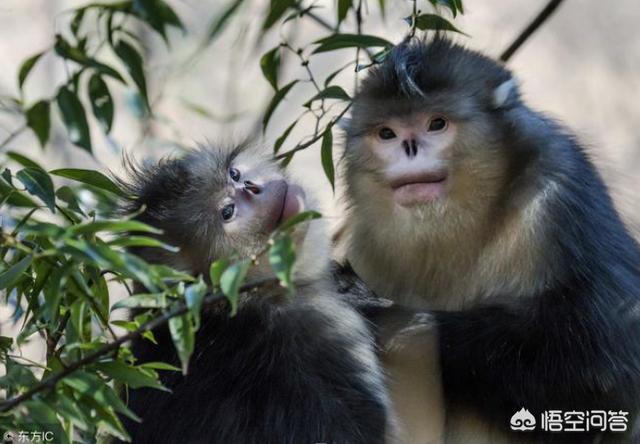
[180, 309]
[530, 29]
[315, 138]
[12, 136]
[316, 18]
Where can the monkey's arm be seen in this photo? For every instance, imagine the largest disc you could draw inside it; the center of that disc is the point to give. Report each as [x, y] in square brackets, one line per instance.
[542, 354]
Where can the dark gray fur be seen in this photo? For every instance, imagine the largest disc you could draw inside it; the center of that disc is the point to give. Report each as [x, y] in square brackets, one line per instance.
[276, 372]
[575, 345]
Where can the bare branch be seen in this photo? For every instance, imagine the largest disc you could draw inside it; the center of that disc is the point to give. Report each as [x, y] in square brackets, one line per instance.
[530, 29]
[314, 139]
[316, 18]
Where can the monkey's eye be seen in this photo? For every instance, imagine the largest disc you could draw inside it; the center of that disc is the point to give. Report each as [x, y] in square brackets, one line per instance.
[437, 124]
[227, 212]
[235, 174]
[386, 133]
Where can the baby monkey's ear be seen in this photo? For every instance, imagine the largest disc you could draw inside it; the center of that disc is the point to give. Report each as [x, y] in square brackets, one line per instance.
[505, 94]
[344, 123]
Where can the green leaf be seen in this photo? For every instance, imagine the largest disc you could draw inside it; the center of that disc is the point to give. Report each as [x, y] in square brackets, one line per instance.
[76, 22]
[194, 295]
[5, 344]
[148, 300]
[343, 9]
[74, 118]
[454, 6]
[433, 22]
[275, 101]
[158, 14]
[23, 160]
[112, 226]
[38, 183]
[100, 255]
[105, 418]
[39, 121]
[326, 155]
[215, 271]
[133, 61]
[270, 64]
[66, 51]
[16, 376]
[68, 408]
[13, 274]
[218, 25]
[6, 173]
[299, 218]
[93, 387]
[282, 255]
[331, 92]
[10, 195]
[277, 9]
[451, 4]
[141, 241]
[42, 417]
[89, 177]
[183, 338]
[278, 144]
[134, 377]
[53, 291]
[231, 281]
[26, 68]
[101, 102]
[383, 9]
[339, 41]
[67, 195]
[159, 366]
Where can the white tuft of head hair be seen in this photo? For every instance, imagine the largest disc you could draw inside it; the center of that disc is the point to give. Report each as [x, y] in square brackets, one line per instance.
[502, 93]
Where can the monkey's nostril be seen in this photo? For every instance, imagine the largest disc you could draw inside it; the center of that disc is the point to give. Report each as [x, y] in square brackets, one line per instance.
[407, 148]
[252, 187]
[414, 147]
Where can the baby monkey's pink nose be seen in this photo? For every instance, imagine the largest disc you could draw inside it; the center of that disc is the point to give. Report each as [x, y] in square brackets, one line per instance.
[252, 187]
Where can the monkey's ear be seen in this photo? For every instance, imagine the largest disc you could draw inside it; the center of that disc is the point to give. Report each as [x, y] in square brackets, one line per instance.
[504, 93]
[344, 123]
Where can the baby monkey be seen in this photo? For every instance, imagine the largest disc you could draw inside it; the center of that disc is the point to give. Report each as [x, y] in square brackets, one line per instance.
[464, 200]
[298, 369]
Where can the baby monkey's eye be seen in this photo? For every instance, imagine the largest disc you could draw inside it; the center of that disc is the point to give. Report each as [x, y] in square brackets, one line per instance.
[386, 133]
[437, 124]
[228, 211]
[235, 174]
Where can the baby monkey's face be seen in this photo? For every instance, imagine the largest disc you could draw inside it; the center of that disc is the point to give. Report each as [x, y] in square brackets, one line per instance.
[256, 198]
[413, 154]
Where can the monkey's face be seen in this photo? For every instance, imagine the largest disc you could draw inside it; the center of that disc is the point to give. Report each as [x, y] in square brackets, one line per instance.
[413, 155]
[437, 161]
[215, 203]
[254, 199]
[245, 199]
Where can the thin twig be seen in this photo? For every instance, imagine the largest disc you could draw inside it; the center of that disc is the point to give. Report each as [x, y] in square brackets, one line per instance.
[530, 29]
[316, 18]
[180, 309]
[12, 136]
[314, 139]
[322, 22]
[54, 338]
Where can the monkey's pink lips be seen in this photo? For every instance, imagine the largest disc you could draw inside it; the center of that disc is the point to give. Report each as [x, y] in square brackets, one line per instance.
[417, 189]
[292, 203]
